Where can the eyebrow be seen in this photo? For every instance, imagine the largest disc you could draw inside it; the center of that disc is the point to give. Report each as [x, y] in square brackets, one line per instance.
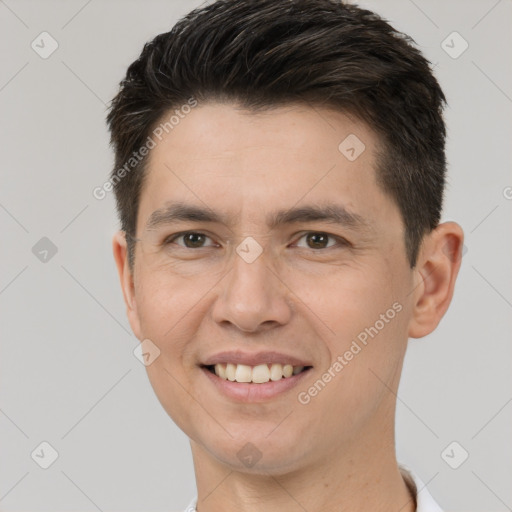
[330, 213]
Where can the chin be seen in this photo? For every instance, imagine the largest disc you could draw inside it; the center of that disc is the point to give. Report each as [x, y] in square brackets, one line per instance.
[257, 454]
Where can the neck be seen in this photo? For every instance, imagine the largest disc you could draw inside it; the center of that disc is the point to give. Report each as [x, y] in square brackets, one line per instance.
[355, 477]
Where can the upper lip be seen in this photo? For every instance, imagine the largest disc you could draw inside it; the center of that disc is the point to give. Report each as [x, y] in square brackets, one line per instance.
[253, 359]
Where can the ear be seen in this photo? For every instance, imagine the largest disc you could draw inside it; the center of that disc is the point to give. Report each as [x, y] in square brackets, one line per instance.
[120, 250]
[435, 274]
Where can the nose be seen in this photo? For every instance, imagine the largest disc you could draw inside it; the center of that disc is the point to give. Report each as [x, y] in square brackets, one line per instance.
[253, 297]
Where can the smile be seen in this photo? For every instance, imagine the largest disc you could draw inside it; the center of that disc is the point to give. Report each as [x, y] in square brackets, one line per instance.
[258, 374]
[257, 383]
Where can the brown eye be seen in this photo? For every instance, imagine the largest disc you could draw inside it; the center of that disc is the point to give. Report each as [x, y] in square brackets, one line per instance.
[320, 240]
[191, 239]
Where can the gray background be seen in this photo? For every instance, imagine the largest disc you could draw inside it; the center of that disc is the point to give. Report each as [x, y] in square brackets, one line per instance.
[67, 372]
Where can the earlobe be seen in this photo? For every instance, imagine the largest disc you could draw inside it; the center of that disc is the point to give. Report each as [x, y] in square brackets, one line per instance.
[436, 272]
[120, 251]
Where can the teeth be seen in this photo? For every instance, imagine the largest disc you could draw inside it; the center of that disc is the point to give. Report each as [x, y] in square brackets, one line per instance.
[276, 372]
[287, 370]
[260, 373]
[243, 373]
[257, 374]
[221, 369]
[230, 371]
[297, 369]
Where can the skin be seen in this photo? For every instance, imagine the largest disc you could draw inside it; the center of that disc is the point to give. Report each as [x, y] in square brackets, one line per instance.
[336, 452]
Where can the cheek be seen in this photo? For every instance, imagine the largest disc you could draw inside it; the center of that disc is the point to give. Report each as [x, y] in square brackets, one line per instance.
[350, 299]
[168, 308]
[359, 379]
[167, 303]
[364, 324]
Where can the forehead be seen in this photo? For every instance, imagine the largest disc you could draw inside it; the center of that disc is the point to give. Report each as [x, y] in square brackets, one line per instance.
[243, 163]
[225, 130]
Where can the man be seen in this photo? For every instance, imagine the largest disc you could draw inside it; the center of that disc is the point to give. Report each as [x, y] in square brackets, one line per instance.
[279, 179]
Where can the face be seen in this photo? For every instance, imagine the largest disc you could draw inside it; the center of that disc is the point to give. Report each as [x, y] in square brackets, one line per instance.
[267, 276]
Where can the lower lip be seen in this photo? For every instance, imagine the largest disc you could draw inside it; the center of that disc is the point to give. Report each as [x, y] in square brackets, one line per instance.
[250, 392]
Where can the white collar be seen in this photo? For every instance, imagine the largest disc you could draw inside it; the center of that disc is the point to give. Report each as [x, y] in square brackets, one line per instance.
[424, 501]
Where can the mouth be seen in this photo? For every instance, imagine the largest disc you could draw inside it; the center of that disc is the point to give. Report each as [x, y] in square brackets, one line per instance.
[249, 384]
[259, 374]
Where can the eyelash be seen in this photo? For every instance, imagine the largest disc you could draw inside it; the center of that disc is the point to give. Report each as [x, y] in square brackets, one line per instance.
[341, 241]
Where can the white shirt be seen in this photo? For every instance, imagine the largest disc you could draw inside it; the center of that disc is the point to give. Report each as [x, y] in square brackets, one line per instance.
[424, 501]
